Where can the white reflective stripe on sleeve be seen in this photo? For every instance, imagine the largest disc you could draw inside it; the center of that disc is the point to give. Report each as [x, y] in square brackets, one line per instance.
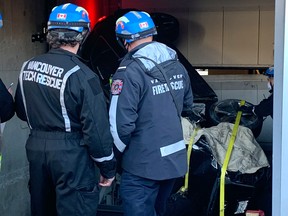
[113, 126]
[108, 158]
[62, 101]
[22, 92]
[172, 148]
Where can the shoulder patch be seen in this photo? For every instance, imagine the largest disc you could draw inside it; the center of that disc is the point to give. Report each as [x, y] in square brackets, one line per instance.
[116, 86]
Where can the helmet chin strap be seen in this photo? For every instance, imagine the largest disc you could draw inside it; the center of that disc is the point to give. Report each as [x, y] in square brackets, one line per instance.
[85, 34]
[127, 45]
[122, 42]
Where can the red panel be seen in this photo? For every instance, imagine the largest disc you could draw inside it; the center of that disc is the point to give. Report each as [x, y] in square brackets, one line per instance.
[98, 8]
[91, 6]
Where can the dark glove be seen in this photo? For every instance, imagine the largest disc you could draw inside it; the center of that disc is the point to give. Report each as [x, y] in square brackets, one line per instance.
[246, 109]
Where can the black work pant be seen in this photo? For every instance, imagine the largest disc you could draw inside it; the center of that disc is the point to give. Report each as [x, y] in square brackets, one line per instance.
[142, 196]
[63, 178]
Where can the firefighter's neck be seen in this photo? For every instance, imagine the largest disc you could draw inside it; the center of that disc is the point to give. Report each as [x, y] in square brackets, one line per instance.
[70, 48]
[139, 42]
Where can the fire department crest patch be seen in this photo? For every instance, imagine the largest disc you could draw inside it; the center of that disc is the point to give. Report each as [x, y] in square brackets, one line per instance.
[116, 87]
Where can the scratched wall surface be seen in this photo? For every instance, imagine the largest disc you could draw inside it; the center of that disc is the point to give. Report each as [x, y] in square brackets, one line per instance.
[21, 19]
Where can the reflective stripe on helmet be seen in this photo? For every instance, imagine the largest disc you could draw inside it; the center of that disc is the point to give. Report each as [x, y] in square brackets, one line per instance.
[69, 16]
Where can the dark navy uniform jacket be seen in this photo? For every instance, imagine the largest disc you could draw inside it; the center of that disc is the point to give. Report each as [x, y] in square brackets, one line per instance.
[57, 92]
[6, 103]
[144, 120]
[265, 107]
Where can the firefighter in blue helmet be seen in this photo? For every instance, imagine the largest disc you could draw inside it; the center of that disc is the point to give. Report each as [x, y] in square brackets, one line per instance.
[149, 91]
[63, 103]
[265, 107]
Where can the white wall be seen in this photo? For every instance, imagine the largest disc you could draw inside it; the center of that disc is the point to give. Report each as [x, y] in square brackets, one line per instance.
[220, 33]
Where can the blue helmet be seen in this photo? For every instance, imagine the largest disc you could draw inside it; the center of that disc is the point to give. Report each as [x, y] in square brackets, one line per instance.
[269, 72]
[135, 25]
[69, 16]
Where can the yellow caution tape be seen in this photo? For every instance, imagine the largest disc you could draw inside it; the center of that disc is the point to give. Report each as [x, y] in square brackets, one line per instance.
[110, 80]
[227, 159]
[185, 187]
